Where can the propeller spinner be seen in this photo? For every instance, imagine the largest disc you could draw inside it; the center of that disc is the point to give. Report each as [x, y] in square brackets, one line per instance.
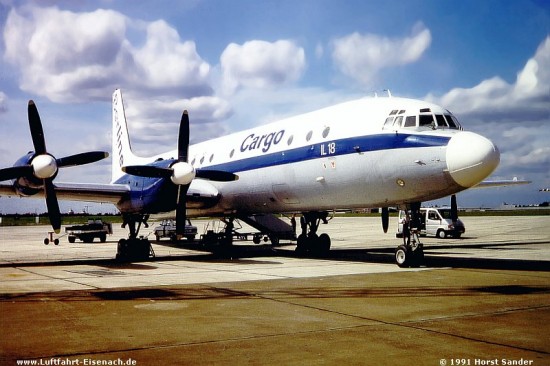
[44, 166]
[181, 173]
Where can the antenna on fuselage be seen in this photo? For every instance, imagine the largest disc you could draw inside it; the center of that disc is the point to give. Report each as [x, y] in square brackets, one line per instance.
[389, 92]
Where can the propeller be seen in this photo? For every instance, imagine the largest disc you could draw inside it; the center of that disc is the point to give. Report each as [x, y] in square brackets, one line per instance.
[181, 173]
[454, 209]
[44, 166]
[385, 219]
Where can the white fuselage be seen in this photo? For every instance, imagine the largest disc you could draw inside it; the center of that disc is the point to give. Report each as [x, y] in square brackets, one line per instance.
[342, 157]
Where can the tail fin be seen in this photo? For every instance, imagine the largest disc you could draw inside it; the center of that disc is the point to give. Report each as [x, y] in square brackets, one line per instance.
[122, 151]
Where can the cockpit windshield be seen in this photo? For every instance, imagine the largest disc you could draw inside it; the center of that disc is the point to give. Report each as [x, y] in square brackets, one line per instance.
[425, 119]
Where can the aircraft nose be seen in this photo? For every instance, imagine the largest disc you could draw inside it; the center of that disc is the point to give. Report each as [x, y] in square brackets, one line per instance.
[471, 158]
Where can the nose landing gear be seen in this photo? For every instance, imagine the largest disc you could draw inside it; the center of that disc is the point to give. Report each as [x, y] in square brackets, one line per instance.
[411, 253]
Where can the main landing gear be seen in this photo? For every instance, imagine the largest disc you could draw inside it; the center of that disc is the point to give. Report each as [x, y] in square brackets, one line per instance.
[308, 241]
[411, 253]
[134, 248]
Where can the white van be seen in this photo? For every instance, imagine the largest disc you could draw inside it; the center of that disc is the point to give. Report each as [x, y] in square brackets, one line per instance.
[435, 221]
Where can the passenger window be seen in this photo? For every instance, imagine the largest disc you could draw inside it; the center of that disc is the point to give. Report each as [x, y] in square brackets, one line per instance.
[211, 158]
[325, 132]
[309, 134]
[290, 139]
[232, 153]
[410, 121]
[426, 120]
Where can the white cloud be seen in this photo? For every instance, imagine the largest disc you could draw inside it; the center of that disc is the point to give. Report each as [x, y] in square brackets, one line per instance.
[361, 57]
[166, 62]
[496, 100]
[79, 57]
[3, 103]
[516, 116]
[72, 57]
[261, 64]
[153, 125]
[59, 52]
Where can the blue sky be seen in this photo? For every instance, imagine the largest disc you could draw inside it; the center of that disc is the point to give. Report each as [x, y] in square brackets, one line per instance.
[238, 64]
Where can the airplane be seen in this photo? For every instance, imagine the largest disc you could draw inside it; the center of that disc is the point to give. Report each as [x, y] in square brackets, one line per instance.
[371, 152]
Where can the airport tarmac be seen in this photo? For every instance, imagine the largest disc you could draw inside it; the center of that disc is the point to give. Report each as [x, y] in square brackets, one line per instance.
[480, 300]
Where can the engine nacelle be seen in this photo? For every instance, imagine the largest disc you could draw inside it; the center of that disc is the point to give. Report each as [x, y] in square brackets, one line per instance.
[31, 185]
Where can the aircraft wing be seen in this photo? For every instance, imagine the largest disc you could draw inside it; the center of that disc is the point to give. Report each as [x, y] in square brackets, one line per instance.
[89, 192]
[501, 183]
[201, 193]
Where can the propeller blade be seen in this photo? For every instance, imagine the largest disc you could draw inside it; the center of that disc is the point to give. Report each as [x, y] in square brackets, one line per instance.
[183, 137]
[216, 175]
[148, 171]
[15, 172]
[454, 209]
[53, 206]
[37, 132]
[385, 219]
[181, 210]
[81, 159]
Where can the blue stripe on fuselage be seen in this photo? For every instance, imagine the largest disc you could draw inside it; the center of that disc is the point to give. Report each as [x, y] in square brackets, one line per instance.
[333, 148]
[159, 194]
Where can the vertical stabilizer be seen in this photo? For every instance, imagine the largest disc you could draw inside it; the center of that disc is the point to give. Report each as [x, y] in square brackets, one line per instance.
[122, 152]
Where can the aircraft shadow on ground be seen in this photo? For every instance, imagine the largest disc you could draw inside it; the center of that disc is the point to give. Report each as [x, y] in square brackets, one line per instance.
[436, 256]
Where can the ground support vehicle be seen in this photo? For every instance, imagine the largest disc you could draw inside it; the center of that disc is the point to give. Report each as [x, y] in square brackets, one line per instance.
[95, 228]
[167, 229]
[436, 222]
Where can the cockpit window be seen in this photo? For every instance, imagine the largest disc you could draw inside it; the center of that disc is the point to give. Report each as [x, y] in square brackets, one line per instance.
[451, 120]
[410, 121]
[426, 120]
[441, 120]
[397, 122]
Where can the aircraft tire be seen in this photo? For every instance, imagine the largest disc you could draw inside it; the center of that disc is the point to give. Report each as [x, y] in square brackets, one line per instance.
[301, 244]
[324, 243]
[417, 258]
[402, 256]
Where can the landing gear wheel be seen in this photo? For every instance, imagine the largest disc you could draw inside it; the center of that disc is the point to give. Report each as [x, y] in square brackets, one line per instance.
[406, 257]
[324, 243]
[402, 256]
[302, 244]
[134, 249]
[418, 257]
